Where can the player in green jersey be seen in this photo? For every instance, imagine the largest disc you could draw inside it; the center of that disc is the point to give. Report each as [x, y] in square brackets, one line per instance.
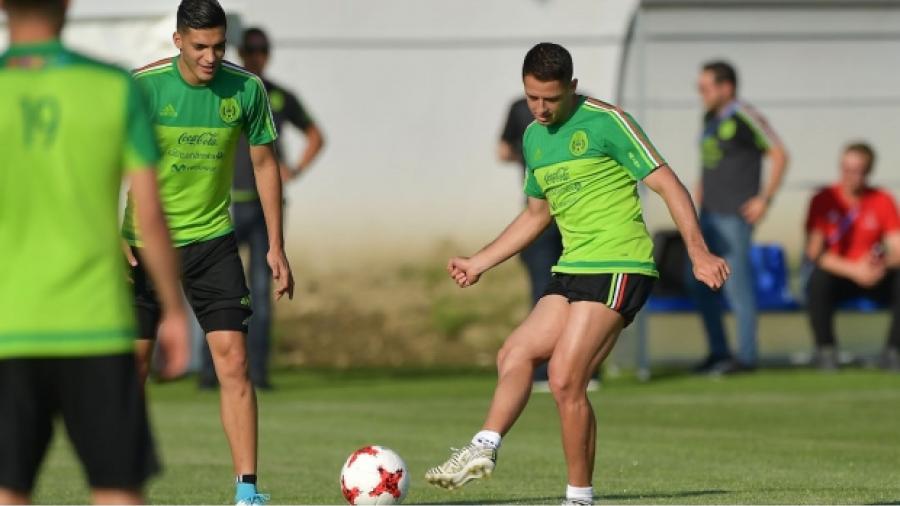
[200, 105]
[584, 160]
[72, 128]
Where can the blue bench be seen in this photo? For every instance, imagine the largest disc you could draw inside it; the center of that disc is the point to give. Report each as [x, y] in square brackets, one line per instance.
[773, 295]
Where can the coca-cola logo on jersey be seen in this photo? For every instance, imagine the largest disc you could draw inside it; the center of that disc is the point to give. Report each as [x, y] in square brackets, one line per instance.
[201, 139]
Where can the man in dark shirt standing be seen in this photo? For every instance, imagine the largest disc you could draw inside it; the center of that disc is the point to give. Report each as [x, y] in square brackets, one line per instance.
[732, 201]
[249, 224]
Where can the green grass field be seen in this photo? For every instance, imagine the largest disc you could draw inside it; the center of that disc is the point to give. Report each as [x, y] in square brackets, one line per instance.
[772, 438]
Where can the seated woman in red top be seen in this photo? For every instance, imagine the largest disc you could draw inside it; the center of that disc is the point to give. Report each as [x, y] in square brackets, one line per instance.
[853, 237]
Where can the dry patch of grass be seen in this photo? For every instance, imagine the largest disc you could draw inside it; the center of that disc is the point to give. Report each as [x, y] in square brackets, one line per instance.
[399, 315]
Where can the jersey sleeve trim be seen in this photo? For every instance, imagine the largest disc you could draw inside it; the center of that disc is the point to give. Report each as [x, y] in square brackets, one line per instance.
[157, 65]
[765, 135]
[648, 151]
[272, 134]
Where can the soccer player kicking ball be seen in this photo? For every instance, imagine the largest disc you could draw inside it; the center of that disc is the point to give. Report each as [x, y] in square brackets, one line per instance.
[200, 104]
[584, 159]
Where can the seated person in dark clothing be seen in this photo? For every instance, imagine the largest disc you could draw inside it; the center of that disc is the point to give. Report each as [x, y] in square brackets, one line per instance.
[853, 237]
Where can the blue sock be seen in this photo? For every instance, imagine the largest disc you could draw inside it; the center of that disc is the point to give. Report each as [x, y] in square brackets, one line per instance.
[244, 491]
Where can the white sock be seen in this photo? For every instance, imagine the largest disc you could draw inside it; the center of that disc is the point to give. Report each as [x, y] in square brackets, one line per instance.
[487, 438]
[580, 493]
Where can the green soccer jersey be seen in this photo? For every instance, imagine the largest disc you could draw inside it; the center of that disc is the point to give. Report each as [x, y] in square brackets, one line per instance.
[69, 128]
[198, 128]
[588, 168]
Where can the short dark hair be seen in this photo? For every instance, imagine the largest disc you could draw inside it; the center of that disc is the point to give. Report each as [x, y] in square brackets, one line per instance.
[200, 14]
[54, 8]
[722, 71]
[253, 31]
[865, 149]
[548, 62]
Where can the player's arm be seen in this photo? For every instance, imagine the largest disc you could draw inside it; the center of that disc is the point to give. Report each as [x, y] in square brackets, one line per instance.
[268, 186]
[755, 209]
[816, 252]
[891, 222]
[865, 272]
[892, 245]
[159, 259]
[508, 136]
[315, 139]
[520, 233]
[708, 268]
[835, 264]
[505, 152]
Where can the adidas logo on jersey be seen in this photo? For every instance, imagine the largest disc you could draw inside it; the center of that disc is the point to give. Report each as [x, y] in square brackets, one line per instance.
[168, 111]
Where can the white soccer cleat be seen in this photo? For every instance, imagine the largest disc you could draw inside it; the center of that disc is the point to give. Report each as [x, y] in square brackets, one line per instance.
[471, 462]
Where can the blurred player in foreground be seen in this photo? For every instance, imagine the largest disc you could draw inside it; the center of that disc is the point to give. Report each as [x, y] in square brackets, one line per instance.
[71, 129]
[200, 105]
[584, 160]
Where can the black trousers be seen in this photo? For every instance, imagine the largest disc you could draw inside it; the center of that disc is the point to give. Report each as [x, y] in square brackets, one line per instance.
[826, 291]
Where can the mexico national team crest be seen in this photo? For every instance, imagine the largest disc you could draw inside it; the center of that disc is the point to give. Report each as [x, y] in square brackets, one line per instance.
[230, 110]
[578, 145]
[276, 100]
[727, 129]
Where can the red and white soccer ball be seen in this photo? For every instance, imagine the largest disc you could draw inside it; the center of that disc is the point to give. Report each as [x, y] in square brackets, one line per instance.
[374, 475]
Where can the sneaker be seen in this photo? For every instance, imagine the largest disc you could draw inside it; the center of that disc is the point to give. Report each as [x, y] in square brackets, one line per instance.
[729, 367]
[253, 500]
[708, 364]
[577, 502]
[890, 359]
[471, 462]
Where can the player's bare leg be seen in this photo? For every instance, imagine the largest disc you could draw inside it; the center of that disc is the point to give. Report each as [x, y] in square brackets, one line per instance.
[530, 343]
[9, 496]
[116, 496]
[143, 354]
[236, 396]
[590, 333]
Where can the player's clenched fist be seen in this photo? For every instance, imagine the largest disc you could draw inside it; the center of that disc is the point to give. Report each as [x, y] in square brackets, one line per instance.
[710, 270]
[463, 271]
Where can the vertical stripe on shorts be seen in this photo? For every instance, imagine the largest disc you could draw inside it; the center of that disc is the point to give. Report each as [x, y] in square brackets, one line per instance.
[616, 297]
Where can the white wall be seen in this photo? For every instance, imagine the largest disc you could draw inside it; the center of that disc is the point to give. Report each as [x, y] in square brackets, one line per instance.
[822, 75]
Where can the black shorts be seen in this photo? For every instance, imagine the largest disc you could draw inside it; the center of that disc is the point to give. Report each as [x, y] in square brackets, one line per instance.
[213, 280]
[623, 293]
[102, 406]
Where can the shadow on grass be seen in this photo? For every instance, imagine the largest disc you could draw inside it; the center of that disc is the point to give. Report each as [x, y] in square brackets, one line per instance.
[660, 495]
[603, 497]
